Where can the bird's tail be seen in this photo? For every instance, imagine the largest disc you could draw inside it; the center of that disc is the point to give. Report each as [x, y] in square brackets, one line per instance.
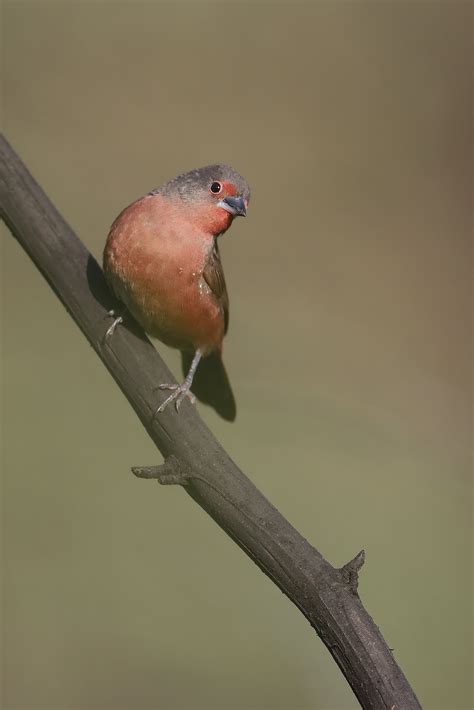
[211, 384]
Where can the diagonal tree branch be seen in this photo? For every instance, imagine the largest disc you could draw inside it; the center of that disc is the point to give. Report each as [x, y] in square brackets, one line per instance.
[327, 596]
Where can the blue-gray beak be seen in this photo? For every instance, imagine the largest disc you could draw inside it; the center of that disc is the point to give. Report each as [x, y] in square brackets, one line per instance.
[234, 205]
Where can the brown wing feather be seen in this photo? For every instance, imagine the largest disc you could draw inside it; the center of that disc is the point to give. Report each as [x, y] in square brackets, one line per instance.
[214, 277]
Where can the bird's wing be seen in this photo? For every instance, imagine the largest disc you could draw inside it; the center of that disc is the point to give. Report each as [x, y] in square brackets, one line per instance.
[214, 277]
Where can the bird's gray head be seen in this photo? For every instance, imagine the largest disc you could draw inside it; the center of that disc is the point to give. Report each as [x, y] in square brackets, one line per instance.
[217, 184]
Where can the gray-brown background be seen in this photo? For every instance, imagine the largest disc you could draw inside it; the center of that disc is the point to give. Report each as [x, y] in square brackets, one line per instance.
[349, 348]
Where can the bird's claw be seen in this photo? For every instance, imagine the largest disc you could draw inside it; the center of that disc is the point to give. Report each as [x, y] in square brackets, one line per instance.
[117, 320]
[178, 393]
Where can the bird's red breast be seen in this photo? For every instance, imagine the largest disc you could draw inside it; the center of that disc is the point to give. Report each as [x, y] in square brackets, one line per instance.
[155, 257]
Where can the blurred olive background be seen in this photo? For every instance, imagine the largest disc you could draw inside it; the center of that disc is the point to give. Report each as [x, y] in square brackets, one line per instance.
[349, 348]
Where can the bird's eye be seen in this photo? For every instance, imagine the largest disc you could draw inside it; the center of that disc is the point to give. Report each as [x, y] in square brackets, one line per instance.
[216, 187]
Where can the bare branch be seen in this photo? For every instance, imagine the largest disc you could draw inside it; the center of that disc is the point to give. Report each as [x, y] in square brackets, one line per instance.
[325, 595]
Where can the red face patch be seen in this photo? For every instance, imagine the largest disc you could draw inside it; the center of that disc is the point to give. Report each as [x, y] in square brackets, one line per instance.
[229, 188]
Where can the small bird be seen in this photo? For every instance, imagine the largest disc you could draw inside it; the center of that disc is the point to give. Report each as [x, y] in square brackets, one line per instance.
[162, 261]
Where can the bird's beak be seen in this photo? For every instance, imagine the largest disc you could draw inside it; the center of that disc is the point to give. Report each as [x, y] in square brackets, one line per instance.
[235, 205]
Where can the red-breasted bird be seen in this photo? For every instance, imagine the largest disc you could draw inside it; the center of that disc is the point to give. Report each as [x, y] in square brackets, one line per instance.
[162, 261]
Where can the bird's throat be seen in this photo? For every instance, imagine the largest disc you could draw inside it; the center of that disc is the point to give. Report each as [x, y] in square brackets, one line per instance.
[212, 219]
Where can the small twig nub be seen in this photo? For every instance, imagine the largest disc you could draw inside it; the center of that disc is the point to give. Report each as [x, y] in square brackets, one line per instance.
[171, 472]
[350, 571]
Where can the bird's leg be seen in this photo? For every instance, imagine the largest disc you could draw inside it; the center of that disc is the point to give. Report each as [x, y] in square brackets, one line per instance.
[179, 392]
[117, 320]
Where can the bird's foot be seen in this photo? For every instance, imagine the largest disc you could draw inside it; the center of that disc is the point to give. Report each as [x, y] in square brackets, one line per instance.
[117, 320]
[178, 393]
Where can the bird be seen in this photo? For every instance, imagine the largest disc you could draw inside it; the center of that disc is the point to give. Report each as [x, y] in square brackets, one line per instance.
[161, 260]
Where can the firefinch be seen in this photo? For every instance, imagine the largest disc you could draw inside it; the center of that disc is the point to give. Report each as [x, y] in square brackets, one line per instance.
[162, 261]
